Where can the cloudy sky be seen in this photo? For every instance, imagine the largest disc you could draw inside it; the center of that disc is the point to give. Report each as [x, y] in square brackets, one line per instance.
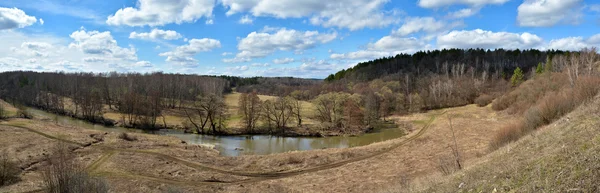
[302, 38]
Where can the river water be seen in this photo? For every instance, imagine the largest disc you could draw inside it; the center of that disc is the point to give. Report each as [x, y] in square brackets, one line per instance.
[245, 144]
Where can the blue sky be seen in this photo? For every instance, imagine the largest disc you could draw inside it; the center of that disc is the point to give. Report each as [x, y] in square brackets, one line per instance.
[309, 38]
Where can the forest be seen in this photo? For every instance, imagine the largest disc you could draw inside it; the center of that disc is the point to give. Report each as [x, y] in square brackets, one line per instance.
[354, 100]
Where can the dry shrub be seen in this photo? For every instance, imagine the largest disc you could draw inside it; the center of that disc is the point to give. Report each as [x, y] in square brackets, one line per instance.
[22, 112]
[527, 94]
[550, 108]
[126, 137]
[64, 175]
[9, 170]
[447, 165]
[483, 100]
[507, 134]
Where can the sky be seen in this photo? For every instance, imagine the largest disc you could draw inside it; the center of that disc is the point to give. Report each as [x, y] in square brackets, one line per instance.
[308, 38]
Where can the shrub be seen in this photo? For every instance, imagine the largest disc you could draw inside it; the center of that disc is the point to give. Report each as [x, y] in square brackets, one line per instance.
[9, 171]
[64, 175]
[507, 134]
[483, 100]
[127, 137]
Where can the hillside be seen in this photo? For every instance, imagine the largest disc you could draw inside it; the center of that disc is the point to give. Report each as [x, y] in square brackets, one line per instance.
[561, 157]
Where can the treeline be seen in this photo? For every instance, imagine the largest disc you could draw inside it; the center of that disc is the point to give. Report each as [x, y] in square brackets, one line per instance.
[140, 98]
[425, 63]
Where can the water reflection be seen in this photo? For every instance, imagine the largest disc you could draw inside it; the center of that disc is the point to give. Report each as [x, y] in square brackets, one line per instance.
[239, 145]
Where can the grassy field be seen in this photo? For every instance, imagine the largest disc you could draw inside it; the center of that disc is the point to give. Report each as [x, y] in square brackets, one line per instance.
[175, 117]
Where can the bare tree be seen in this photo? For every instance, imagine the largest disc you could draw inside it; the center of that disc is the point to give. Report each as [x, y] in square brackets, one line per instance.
[249, 107]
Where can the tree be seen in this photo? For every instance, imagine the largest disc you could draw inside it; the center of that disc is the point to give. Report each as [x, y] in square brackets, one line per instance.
[416, 103]
[353, 115]
[517, 77]
[296, 108]
[2, 112]
[277, 112]
[329, 108]
[539, 69]
[249, 109]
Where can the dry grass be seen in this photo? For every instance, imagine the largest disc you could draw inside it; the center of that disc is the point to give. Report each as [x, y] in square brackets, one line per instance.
[563, 157]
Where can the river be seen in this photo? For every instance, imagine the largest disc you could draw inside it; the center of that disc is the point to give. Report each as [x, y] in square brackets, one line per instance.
[244, 144]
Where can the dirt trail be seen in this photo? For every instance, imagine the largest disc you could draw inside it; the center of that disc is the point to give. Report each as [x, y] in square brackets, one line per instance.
[255, 177]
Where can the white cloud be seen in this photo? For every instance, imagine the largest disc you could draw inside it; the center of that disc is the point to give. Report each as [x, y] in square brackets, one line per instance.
[184, 55]
[143, 64]
[156, 34]
[261, 44]
[573, 43]
[444, 3]
[101, 44]
[463, 13]
[350, 14]
[162, 12]
[283, 60]
[261, 64]
[226, 53]
[428, 25]
[209, 22]
[488, 40]
[11, 18]
[595, 8]
[308, 69]
[545, 13]
[386, 46]
[245, 20]
[238, 68]
[41, 21]
[41, 52]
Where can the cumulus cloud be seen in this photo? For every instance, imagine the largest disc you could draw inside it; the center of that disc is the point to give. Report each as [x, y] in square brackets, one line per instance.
[260, 64]
[444, 3]
[156, 34]
[308, 69]
[184, 55]
[238, 68]
[245, 20]
[428, 25]
[11, 18]
[41, 52]
[161, 12]
[463, 13]
[101, 44]
[488, 40]
[261, 44]
[283, 60]
[573, 43]
[386, 46]
[545, 13]
[350, 14]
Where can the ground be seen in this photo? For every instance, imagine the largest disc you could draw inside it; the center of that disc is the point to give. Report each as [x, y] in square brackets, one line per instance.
[192, 168]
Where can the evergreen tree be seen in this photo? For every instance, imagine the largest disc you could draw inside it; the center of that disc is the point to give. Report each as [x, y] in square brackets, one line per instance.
[517, 77]
[539, 69]
[548, 67]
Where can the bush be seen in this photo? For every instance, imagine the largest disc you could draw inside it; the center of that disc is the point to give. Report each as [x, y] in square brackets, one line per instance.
[483, 100]
[127, 137]
[507, 134]
[64, 175]
[9, 171]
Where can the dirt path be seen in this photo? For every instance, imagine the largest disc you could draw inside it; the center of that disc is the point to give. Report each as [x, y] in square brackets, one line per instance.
[109, 152]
